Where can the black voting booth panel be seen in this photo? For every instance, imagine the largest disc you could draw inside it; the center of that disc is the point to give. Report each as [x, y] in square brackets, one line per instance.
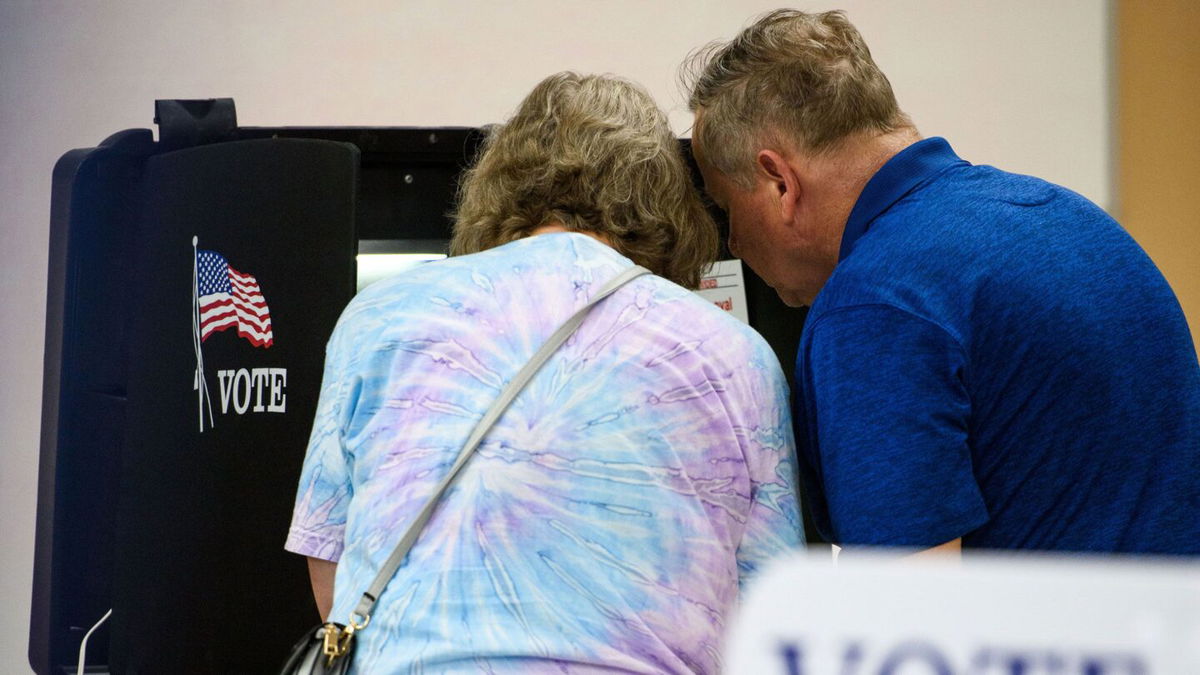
[169, 463]
[165, 495]
[210, 456]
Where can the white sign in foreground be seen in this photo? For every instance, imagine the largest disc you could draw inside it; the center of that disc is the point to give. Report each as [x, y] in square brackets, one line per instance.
[724, 285]
[986, 616]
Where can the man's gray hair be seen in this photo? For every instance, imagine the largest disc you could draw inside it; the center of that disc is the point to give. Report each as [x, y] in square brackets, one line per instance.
[804, 79]
[594, 153]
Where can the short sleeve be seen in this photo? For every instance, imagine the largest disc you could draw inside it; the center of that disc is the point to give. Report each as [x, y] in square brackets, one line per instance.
[883, 416]
[323, 497]
[773, 526]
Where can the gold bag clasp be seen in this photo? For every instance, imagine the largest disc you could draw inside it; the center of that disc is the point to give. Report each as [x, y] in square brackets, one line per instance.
[335, 644]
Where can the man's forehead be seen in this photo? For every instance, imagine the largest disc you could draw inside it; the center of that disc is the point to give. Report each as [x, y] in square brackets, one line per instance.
[697, 121]
[713, 182]
[706, 168]
[707, 171]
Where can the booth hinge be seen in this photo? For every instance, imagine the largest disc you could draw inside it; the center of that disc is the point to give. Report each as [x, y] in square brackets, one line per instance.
[184, 123]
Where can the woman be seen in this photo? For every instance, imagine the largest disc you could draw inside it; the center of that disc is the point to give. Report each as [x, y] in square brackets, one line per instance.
[606, 521]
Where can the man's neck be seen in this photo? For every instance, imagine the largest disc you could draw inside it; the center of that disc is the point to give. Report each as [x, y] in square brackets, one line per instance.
[836, 178]
[848, 167]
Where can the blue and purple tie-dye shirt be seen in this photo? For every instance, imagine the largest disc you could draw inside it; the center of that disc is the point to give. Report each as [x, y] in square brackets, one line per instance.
[606, 522]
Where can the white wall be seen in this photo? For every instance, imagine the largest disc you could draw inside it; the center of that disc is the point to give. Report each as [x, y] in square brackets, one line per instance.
[1022, 84]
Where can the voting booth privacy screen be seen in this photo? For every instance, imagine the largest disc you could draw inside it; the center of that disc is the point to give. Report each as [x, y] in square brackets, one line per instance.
[193, 282]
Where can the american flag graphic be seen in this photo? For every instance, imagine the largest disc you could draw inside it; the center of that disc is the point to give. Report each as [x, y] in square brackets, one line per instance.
[230, 298]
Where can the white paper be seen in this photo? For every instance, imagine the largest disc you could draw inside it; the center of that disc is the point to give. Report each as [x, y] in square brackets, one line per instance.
[725, 286]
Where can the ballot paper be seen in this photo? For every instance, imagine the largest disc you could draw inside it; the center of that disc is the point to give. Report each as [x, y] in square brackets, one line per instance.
[725, 286]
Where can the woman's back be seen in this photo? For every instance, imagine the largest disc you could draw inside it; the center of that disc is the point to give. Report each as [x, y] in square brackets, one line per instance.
[603, 524]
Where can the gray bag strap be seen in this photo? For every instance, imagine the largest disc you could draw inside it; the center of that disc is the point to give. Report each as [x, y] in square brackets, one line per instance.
[367, 603]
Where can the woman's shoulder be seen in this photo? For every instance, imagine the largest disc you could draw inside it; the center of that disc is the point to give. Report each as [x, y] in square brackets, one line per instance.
[690, 316]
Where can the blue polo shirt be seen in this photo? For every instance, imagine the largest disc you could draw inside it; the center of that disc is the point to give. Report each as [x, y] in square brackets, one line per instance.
[995, 358]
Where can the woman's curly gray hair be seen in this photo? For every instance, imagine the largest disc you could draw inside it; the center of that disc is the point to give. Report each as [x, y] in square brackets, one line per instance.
[594, 153]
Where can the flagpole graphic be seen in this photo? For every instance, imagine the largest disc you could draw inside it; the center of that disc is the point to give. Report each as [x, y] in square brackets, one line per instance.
[199, 383]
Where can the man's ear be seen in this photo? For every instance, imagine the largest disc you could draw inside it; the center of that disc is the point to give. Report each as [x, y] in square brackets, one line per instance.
[784, 180]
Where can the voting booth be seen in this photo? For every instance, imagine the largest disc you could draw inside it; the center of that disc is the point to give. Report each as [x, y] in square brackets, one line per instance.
[194, 279]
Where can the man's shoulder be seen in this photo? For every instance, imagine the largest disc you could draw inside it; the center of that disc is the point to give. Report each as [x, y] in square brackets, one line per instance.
[980, 192]
[967, 226]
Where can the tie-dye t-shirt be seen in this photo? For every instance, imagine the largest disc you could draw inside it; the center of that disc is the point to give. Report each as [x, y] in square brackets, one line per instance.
[606, 522]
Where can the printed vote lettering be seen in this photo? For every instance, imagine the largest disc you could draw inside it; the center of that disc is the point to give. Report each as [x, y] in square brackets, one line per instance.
[927, 658]
[253, 390]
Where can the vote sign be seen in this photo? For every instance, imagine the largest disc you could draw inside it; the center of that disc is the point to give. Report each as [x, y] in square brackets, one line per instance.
[1006, 615]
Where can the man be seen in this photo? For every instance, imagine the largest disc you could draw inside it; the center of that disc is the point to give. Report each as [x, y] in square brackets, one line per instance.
[989, 360]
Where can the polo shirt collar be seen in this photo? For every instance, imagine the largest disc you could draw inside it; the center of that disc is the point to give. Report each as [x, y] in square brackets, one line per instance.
[897, 177]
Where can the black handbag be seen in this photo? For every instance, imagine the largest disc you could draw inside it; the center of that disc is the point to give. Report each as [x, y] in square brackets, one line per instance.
[328, 648]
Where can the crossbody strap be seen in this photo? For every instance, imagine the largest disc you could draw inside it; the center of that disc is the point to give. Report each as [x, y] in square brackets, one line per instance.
[367, 603]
